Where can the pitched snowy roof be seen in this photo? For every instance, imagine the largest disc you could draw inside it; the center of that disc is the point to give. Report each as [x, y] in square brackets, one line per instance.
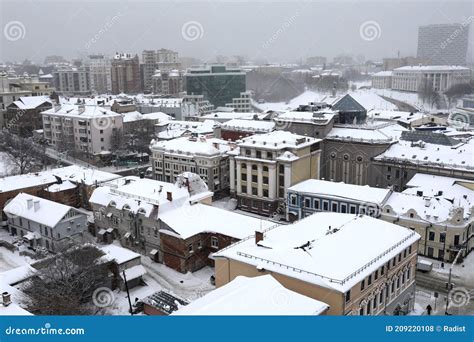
[86, 111]
[310, 249]
[319, 117]
[79, 174]
[136, 116]
[31, 102]
[47, 212]
[67, 185]
[457, 157]
[361, 193]
[370, 100]
[253, 296]
[118, 254]
[190, 220]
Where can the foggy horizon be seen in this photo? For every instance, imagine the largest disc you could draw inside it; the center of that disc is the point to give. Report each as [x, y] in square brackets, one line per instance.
[282, 32]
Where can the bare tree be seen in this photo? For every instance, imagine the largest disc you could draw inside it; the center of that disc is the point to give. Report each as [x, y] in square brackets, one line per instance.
[116, 140]
[457, 91]
[64, 284]
[427, 93]
[24, 151]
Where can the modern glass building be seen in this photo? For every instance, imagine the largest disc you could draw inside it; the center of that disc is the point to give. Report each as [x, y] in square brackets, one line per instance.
[217, 83]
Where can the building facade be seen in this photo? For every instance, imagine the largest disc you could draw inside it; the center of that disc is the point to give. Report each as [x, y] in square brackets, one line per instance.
[438, 77]
[168, 82]
[443, 44]
[217, 83]
[153, 60]
[265, 165]
[125, 74]
[100, 74]
[382, 80]
[73, 81]
[206, 157]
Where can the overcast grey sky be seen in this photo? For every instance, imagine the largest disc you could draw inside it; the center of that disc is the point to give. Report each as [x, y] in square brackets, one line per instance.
[282, 31]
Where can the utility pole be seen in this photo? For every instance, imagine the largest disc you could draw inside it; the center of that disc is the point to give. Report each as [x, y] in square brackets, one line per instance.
[128, 293]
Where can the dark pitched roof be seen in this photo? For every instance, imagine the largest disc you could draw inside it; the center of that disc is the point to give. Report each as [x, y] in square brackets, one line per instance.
[429, 137]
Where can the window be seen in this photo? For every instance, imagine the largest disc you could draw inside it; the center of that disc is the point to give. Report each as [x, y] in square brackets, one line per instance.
[348, 296]
[199, 244]
[430, 252]
[316, 204]
[325, 205]
[307, 203]
[381, 297]
[254, 178]
[432, 236]
[376, 274]
[369, 281]
[334, 207]
[214, 242]
[362, 285]
[408, 273]
[343, 208]
[293, 199]
[353, 209]
[190, 248]
[442, 237]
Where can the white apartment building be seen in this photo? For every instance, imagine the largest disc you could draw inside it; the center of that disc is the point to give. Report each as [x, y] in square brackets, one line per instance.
[100, 74]
[86, 129]
[382, 80]
[441, 77]
[205, 157]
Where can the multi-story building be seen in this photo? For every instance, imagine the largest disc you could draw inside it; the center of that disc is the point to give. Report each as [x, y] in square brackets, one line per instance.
[125, 74]
[84, 129]
[423, 152]
[168, 82]
[205, 157]
[163, 60]
[392, 63]
[44, 223]
[314, 195]
[439, 209]
[24, 115]
[264, 166]
[438, 77]
[321, 257]
[100, 74]
[443, 44]
[308, 120]
[382, 80]
[348, 151]
[241, 104]
[72, 81]
[130, 208]
[236, 129]
[217, 83]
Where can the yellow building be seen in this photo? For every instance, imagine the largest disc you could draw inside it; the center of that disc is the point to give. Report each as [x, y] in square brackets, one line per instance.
[358, 265]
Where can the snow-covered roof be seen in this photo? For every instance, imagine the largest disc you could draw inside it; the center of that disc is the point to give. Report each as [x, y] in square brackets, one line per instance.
[321, 117]
[136, 116]
[67, 185]
[145, 196]
[37, 209]
[31, 102]
[431, 68]
[253, 296]
[201, 218]
[435, 198]
[395, 115]
[371, 132]
[370, 100]
[361, 193]
[79, 174]
[83, 111]
[257, 126]
[176, 128]
[192, 146]
[229, 115]
[456, 157]
[118, 254]
[25, 181]
[277, 140]
[383, 73]
[310, 249]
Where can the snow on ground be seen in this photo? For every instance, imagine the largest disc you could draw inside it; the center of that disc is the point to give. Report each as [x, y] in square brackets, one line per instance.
[10, 260]
[407, 97]
[463, 271]
[423, 298]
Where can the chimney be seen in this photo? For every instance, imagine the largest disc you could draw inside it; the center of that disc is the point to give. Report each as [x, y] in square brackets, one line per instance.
[258, 236]
[29, 203]
[36, 205]
[169, 196]
[6, 298]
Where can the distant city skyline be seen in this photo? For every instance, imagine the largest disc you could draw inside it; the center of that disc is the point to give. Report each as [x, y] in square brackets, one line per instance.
[282, 32]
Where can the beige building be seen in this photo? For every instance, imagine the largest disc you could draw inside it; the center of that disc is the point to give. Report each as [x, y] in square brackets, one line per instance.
[382, 80]
[265, 165]
[440, 210]
[332, 258]
[83, 128]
